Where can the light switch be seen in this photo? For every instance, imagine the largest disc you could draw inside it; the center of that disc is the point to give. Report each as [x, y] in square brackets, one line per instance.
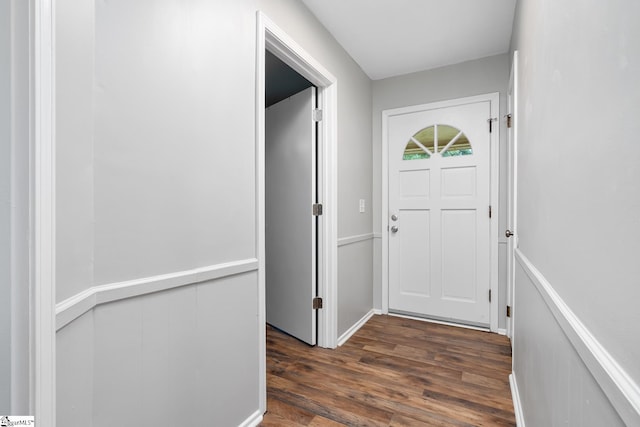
[361, 205]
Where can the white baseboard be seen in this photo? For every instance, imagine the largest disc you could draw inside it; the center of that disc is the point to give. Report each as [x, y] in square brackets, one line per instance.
[75, 306]
[253, 421]
[515, 396]
[352, 330]
[616, 384]
[501, 331]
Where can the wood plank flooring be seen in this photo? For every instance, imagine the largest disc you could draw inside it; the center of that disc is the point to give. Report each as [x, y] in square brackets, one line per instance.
[392, 372]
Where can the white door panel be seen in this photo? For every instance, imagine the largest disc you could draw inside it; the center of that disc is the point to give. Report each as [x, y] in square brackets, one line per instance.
[414, 250]
[439, 257]
[458, 232]
[290, 229]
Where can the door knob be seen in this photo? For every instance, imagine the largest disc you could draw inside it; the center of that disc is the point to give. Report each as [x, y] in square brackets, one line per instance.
[394, 229]
[508, 233]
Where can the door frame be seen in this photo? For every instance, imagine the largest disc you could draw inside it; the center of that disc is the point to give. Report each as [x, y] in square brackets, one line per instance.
[42, 200]
[273, 38]
[512, 190]
[494, 100]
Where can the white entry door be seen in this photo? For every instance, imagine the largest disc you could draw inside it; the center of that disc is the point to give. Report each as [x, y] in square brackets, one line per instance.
[439, 225]
[290, 230]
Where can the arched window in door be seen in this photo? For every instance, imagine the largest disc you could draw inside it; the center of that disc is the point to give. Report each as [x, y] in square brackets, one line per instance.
[445, 140]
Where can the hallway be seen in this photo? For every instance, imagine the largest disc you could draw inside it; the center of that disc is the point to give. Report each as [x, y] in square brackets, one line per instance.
[133, 213]
[393, 371]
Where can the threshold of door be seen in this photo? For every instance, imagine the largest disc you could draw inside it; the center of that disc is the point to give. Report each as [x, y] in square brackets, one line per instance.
[439, 321]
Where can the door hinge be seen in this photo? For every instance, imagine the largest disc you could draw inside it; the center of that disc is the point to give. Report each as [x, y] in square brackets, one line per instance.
[508, 311]
[491, 120]
[317, 303]
[509, 120]
[317, 209]
[489, 211]
[317, 115]
[489, 295]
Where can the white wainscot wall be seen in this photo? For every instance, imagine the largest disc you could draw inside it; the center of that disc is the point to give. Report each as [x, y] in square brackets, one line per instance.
[557, 379]
[187, 353]
[355, 279]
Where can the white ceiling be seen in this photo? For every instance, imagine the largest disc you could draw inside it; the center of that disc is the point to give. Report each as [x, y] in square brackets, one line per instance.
[393, 37]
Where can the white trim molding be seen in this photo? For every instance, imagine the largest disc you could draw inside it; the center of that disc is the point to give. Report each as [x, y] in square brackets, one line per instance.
[75, 306]
[517, 403]
[43, 205]
[512, 191]
[494, 186]
[260, 209]
[616, 384]
[254, 420]
[356, 326]
[343, 241]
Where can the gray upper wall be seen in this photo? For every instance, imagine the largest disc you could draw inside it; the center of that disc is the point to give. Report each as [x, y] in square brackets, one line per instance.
[579, 174]
[147, 130]
[153, 139]
[74, 147]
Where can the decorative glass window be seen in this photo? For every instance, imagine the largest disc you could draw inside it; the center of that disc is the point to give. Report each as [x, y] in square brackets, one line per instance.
[442, 139]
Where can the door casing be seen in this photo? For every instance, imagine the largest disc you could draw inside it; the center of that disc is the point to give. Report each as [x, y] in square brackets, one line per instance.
[42, 205]
[494, 100]
[512, 188]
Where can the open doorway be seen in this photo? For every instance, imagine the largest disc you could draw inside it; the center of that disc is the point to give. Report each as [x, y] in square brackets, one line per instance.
[291, 177]
[271, 38]
[281, 81]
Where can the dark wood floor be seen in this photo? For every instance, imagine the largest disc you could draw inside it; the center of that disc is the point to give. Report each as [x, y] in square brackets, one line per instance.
[392, 372]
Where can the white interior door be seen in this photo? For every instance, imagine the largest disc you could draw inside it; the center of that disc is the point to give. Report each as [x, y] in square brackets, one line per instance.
[439, 225]
[290, 231]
